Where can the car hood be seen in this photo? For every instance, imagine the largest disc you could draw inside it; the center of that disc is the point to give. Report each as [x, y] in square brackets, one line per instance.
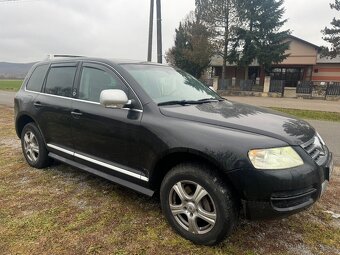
[246, 118]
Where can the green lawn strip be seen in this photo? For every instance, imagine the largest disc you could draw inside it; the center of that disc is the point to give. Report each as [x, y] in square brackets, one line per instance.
[11, 85]
[311, 115]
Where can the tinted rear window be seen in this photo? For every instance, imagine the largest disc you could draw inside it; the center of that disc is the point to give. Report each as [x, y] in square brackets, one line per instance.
[60, 81]
[37, 78]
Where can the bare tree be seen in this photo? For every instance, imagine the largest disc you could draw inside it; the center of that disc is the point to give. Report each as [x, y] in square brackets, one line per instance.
[221, 18]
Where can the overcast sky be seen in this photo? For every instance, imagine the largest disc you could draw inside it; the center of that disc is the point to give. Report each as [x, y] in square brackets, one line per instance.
[31, 29]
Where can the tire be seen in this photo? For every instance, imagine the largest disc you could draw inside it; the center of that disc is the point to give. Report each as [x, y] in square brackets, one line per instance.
[33, 147]
[207, 213]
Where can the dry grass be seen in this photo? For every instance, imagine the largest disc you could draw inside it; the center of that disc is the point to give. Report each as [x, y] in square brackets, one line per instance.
[61, 210]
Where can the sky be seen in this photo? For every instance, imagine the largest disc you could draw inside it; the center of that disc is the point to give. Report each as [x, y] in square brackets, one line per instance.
[31, 29]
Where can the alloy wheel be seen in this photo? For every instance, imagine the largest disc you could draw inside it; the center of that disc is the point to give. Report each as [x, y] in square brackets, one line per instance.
[31, 146]
[192, 207]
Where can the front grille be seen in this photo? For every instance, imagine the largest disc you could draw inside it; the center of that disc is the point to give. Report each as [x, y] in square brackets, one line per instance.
[316, 150]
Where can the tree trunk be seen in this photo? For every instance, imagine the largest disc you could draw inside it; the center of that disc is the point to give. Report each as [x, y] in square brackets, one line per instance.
[246, 73]
[262, 75]
[224, 68]
[226, 39]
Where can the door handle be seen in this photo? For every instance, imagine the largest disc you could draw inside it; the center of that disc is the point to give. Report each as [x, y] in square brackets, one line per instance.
[38, 104]
[76, 113]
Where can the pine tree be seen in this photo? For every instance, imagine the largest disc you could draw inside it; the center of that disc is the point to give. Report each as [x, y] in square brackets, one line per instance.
[192, 50]
[245, 30]
[260, 37]
[175, 55]
[332, 35]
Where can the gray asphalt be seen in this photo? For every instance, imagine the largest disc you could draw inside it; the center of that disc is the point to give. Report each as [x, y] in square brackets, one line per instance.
[293, 103]
[329, 131]
[6, 98]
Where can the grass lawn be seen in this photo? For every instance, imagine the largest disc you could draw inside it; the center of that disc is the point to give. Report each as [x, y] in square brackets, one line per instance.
[311, 115]
[11, 85]
[61, 210]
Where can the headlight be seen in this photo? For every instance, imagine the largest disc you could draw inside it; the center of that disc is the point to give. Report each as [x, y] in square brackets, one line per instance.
[276, 158]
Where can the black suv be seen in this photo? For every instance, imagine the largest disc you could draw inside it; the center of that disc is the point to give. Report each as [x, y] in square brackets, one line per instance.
[156, 129]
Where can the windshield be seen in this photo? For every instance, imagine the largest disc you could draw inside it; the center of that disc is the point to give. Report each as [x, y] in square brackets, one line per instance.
[166, 84]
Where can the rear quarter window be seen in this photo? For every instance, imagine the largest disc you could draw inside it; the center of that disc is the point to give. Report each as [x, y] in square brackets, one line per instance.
[37, 78]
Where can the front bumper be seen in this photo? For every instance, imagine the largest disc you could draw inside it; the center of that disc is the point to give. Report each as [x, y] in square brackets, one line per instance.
[280, 205]
[276, 194]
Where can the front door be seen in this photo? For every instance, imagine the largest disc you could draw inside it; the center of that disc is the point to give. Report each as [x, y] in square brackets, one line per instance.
[105, 138]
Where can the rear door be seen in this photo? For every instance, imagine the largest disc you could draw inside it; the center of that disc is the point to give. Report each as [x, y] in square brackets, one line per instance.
[54, 108]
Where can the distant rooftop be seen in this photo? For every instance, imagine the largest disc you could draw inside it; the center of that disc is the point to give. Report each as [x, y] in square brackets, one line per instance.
[304, 41]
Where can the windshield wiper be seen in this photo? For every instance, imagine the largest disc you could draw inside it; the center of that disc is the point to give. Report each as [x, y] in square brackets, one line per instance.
[188, 102]
[180, 102]
[211, 99]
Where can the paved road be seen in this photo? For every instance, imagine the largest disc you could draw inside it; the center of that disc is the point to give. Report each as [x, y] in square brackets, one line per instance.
[330, 131]
[293, 103]
[6, 98]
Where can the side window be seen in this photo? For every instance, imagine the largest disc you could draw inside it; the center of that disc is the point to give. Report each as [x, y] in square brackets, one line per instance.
[37, 78]
[94, 80]
[60, 80]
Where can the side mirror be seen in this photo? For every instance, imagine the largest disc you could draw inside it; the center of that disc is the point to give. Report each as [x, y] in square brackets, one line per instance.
[113, 98]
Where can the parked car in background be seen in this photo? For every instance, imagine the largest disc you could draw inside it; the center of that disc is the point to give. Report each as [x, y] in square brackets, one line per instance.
[156, 129]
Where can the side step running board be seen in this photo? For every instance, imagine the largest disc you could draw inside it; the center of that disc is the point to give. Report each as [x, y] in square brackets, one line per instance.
[114, 179]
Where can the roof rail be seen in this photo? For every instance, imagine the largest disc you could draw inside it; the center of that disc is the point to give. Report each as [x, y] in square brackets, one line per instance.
[54, 56]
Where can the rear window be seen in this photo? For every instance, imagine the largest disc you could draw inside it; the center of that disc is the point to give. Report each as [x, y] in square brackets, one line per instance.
[60, 80]
[37, 78]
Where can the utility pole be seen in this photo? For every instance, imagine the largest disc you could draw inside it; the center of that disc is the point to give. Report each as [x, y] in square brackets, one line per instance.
[150, 30]
[159, 32]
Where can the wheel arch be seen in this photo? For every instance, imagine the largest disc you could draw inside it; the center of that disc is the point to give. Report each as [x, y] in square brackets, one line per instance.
[22, 121]
[178, 156]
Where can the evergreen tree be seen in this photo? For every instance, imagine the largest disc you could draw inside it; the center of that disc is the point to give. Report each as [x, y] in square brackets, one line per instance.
[260, 37]
[175, 55]
[192, 50]
[332, 35]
